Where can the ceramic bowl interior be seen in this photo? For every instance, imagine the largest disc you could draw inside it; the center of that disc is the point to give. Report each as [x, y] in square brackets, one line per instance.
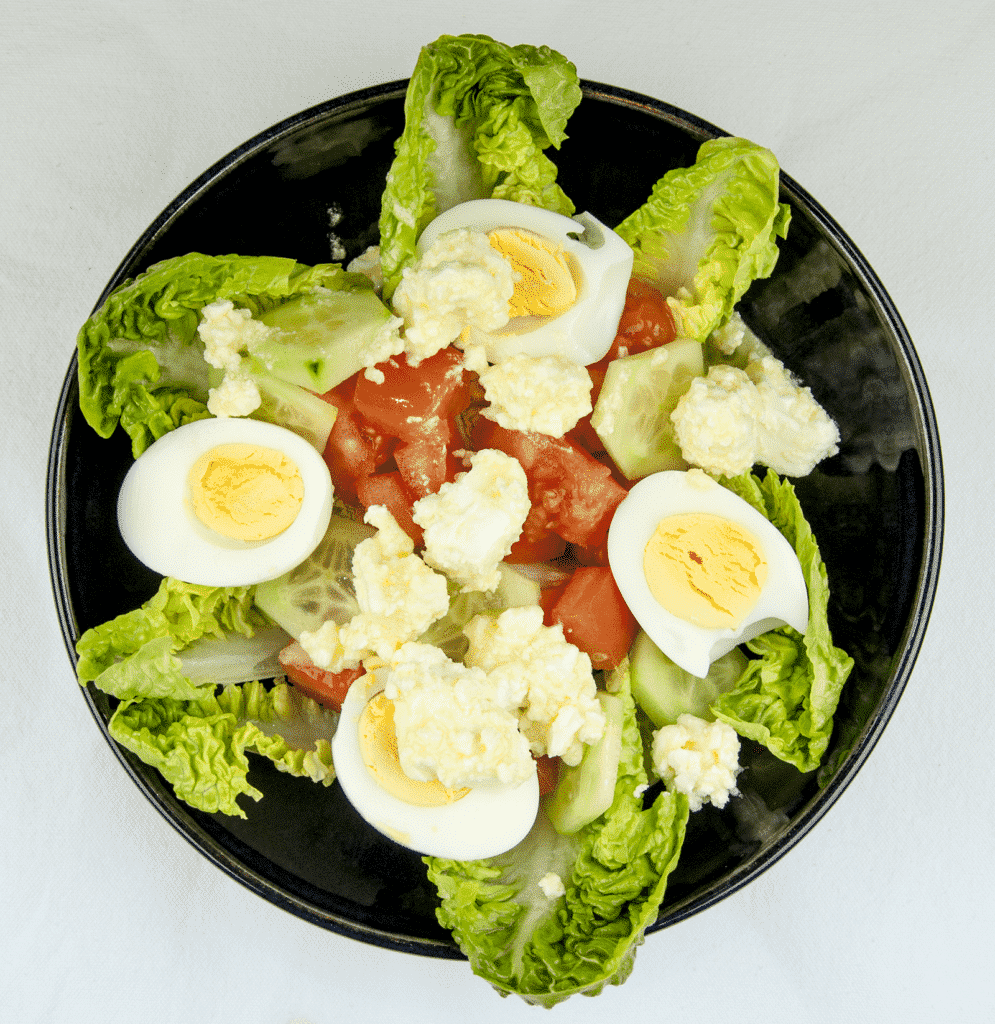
[310, 188]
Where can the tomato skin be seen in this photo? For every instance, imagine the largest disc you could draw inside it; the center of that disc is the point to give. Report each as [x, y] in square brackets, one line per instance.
[548, 597]
[327, 688]
[417, 400]
[548, 771]
[389, 489]
[595, 617]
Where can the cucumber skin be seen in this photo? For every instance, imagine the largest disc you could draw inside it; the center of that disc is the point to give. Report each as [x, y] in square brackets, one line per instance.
[585, 791]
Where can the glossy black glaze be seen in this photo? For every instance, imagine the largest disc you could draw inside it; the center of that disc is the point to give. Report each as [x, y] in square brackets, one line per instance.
[310, 188]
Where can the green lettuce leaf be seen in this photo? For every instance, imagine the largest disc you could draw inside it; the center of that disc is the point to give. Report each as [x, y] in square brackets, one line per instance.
[199, 746]
[707, 231]
[788, 695]
[134, 654]
[141, 362]
[478, 115]
[615, 874]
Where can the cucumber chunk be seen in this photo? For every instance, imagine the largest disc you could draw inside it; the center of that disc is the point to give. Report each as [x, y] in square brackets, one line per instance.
[664, 690]
[585, 791]
[321, 587]
[323, 337]
[513, 591]
[632, 414]
[293, 407]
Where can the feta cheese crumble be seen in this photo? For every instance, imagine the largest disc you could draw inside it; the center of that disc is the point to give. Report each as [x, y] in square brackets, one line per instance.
[460, 281]
[552, 885]
[455, 723]
[548, 394]
[471, 523]
[225, 332]
[399, 597]
[561, 711]
[732, 418]
[699, 759]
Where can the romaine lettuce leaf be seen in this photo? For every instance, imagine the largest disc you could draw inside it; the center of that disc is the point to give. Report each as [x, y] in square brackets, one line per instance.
[199, 746]
[788, 695]
[141, 361]
[614, 871]
[134, 655]
[707, 231]
[478, 115]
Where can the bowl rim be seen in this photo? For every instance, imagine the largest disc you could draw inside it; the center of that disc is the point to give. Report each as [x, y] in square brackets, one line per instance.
[910, 641]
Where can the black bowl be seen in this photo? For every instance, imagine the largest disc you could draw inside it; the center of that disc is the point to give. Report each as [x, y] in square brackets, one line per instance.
[310, 188]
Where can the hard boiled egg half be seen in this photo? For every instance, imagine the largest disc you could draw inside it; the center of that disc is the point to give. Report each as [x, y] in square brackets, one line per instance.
[225, 502]
[572, 277]
[701, 569]
[468, 823]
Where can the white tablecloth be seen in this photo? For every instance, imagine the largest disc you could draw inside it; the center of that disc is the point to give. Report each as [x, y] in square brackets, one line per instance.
[883, 112]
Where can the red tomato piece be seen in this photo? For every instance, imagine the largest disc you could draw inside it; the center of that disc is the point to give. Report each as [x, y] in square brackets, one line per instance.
[646, 320]
[575, 491]
[415, 400]
[355, 448]
[548, 770]
[389, 489]
[548, 597]
[328, 688]
[425, 464]
[537, 542]
[595, 617]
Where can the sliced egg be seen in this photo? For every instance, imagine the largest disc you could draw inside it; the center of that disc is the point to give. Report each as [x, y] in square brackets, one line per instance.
[468, 823]
[572, 277]
[701, 569]
[225, 502]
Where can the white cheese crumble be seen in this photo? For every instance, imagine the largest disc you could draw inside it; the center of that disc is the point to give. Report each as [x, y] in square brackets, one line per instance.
[454, 723]
[225, 332]
[399, 597]
[460, 281]
[369, 265]
[548, 394]
[551, 885]
[471, 523]
[732, 418]
[699, 759]
[561, 711]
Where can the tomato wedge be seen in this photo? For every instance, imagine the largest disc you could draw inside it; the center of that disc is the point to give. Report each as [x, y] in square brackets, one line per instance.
[413, 402]
[595, 617]
[327, 688]
[576, 493]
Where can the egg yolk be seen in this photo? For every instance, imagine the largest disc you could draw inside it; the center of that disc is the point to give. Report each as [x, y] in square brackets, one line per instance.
[546, 284]
[705, 569]
[378, 746]
[246, 492]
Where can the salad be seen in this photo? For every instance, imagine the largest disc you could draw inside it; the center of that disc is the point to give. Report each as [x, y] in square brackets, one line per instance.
[492, 526]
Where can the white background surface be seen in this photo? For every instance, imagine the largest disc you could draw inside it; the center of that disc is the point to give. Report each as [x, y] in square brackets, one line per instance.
[882, 111]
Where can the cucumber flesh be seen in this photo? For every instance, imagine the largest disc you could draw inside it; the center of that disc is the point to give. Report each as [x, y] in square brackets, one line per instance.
[513, 591]
[585, 791]
[322, 337]
[665, 691]
[632, 414]
[321, 587]
[293, 407]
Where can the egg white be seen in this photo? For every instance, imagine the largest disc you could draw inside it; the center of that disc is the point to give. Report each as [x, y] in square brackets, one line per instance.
[783, 599]
[159, 525]
[584, 332]
[489, 820]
